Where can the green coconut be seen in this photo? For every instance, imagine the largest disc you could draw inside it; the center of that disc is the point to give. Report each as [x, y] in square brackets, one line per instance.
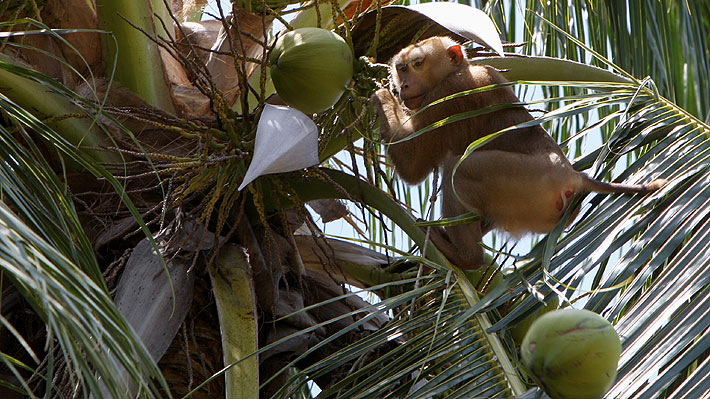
[518, 332]
[310, 68]
[572, 354]
[479, 280]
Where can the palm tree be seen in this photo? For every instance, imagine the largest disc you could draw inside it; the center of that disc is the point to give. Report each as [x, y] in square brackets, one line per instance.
[133, 266]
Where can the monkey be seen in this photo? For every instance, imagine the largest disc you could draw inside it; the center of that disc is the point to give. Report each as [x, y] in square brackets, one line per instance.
[520, 182]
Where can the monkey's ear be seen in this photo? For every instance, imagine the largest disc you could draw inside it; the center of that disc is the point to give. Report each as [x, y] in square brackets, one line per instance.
[455, 54]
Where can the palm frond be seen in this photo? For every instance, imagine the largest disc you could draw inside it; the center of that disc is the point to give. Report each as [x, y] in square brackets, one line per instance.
[622, 243]
[666, 41]
[434, 345]
[78, 312]
[51, 262]
[641, 261]
[30, 185]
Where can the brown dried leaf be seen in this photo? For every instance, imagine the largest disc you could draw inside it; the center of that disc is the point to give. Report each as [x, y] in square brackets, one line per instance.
[329, 209]
[323, 259]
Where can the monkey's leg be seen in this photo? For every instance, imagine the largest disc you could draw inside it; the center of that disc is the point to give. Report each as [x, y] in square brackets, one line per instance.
[466, 258]
[460, 243]
[515, 192]
[518, 193]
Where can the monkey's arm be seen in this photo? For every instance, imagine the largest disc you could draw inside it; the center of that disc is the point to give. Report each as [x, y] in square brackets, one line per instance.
[394, 123]
[415, 158]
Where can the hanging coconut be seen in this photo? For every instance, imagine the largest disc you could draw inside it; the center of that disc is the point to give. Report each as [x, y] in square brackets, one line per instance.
[572, 353]
[310, 68]
[518, 332]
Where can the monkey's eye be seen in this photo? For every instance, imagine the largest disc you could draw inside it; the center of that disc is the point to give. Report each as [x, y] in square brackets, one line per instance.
[402, 67]
[418, 63]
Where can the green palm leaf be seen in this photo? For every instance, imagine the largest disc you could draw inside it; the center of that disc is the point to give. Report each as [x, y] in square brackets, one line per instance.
[436, 347]
[78, 313]
[640, 261]
[49, 259]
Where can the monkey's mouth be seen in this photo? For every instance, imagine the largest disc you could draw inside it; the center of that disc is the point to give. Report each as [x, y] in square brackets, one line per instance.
[414, 102]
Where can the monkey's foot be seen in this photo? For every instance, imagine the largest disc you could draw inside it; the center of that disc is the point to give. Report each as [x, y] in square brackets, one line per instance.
[442, 242]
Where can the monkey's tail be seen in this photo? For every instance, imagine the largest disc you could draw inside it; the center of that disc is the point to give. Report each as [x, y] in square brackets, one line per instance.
[601, 187]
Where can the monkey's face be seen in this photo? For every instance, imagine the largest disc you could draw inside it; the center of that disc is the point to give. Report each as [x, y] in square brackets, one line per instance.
[419, 68]
[408, 71]
[407, 82]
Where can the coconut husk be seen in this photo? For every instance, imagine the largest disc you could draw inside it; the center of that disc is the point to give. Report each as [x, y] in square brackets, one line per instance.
[76, 14]
[82, 50]
[243, 27]
[194, 38]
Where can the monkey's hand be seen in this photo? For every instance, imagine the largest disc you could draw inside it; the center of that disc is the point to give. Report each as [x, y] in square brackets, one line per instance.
[383, 96]
[390, 113]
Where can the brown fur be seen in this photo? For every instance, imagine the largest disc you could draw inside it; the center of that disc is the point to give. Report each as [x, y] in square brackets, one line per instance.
[519, 182]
